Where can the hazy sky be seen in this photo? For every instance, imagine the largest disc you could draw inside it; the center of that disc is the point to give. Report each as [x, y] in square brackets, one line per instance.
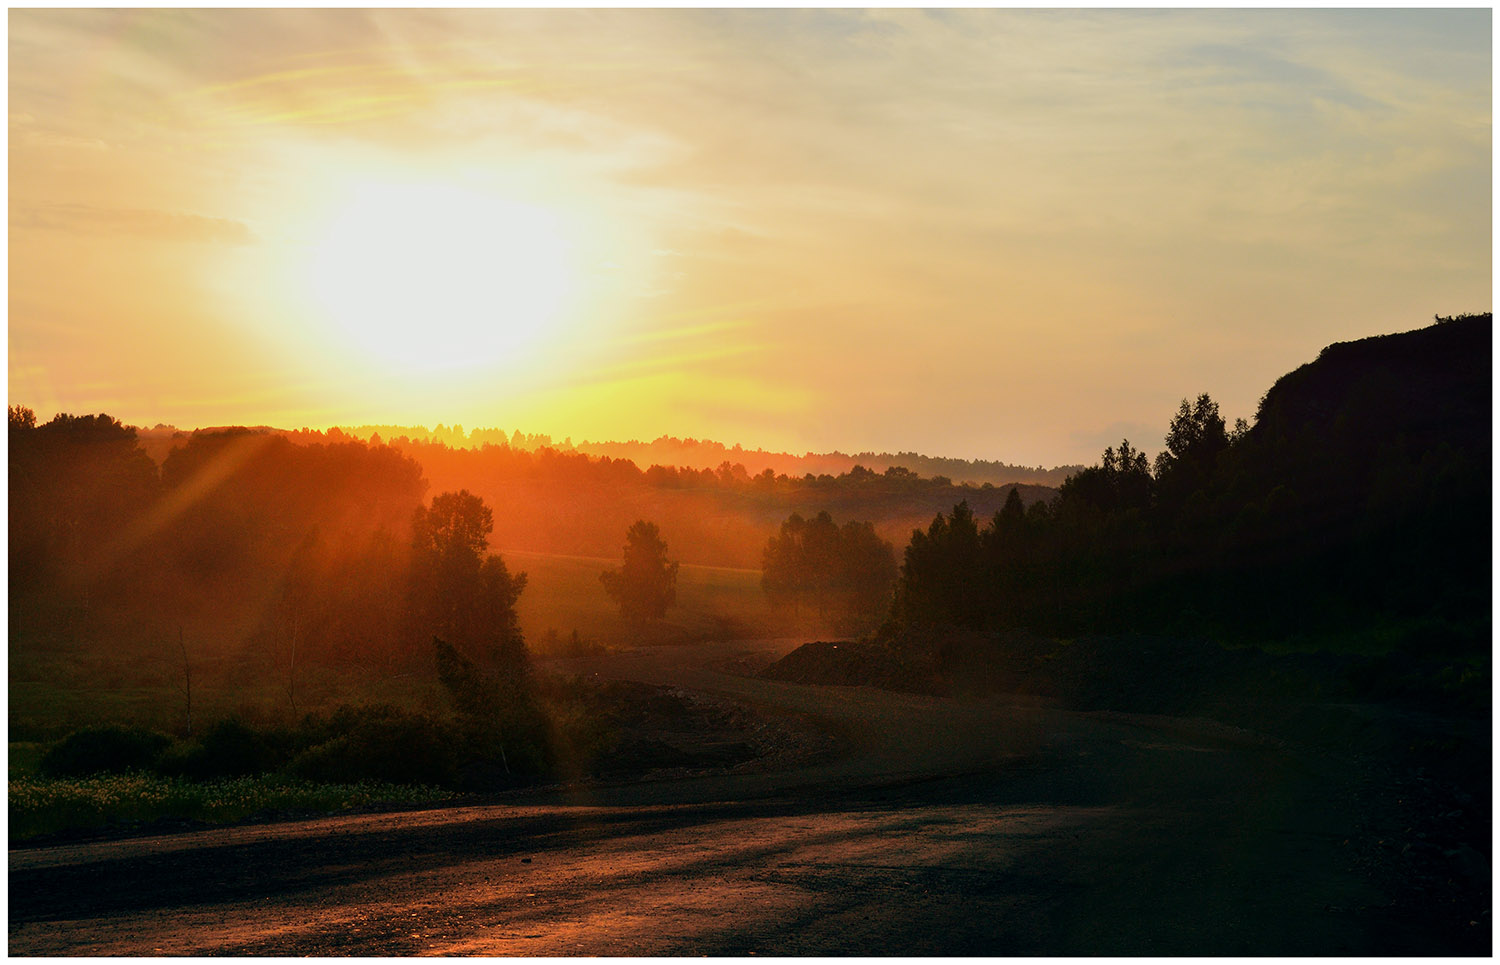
[1015, 235]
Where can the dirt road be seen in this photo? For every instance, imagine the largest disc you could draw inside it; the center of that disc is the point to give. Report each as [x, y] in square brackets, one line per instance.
[940, 827]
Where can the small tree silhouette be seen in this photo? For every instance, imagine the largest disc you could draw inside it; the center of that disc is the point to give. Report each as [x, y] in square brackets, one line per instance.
[646, 585]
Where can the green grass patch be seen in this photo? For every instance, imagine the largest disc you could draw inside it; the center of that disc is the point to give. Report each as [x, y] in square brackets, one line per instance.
[41, 806]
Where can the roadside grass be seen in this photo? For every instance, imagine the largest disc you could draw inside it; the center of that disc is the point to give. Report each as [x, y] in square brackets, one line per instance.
[39, 806]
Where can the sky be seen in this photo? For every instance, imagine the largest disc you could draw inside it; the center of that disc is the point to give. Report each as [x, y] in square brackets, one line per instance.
[999, 234]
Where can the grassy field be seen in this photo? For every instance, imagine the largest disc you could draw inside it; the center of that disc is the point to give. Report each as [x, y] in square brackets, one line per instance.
[563, 593]
[124, 675]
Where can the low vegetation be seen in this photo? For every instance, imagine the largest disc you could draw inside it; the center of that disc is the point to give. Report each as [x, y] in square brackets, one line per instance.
[488, 735]
[46, 806]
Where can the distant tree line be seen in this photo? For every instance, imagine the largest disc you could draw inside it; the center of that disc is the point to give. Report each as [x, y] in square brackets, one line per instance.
[569, 502]
[705, 454]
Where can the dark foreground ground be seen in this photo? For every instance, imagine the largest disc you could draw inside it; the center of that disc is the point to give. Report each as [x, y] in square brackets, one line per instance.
[920, 826]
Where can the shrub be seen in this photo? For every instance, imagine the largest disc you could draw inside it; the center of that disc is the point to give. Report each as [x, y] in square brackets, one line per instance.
[379, 744]
[229, 748]
[111, 748]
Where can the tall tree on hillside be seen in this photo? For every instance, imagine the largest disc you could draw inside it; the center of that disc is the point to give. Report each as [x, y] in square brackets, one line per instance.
[1122, 481]
[646, 585]
[783, 566]
[867, 572]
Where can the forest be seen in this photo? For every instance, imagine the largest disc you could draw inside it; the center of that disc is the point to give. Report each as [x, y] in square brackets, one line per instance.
[1359, 499]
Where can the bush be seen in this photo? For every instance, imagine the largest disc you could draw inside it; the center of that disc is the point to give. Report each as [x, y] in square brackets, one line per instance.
[108, 749]
[229, 748]
[378, 744]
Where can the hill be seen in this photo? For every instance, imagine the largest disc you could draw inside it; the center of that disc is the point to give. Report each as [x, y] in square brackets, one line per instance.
[1357, 507]
[706, 454]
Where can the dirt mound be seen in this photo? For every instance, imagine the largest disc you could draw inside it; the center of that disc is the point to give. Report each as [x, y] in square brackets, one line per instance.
[666, 731]
[852, 664]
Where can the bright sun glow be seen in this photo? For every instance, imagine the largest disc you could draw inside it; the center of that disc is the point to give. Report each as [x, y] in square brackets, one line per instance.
[431, 276]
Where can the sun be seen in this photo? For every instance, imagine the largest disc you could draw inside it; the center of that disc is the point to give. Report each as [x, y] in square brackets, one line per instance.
[435, 276]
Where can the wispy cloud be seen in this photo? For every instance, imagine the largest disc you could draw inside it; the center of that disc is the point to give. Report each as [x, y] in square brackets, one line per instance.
[344, 93]
[681, 332]
[144, 223]
[683, 361]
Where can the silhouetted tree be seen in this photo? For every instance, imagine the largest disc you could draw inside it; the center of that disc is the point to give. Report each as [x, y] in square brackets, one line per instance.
[75, 483]
[461, 593]
[783, 567]
[343, 597]
[646, 585]
[1009, 525]
[846, 572]
[1195, 439]
[498, 713]
[941, 574]
[867, 572]
[1122, 481]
